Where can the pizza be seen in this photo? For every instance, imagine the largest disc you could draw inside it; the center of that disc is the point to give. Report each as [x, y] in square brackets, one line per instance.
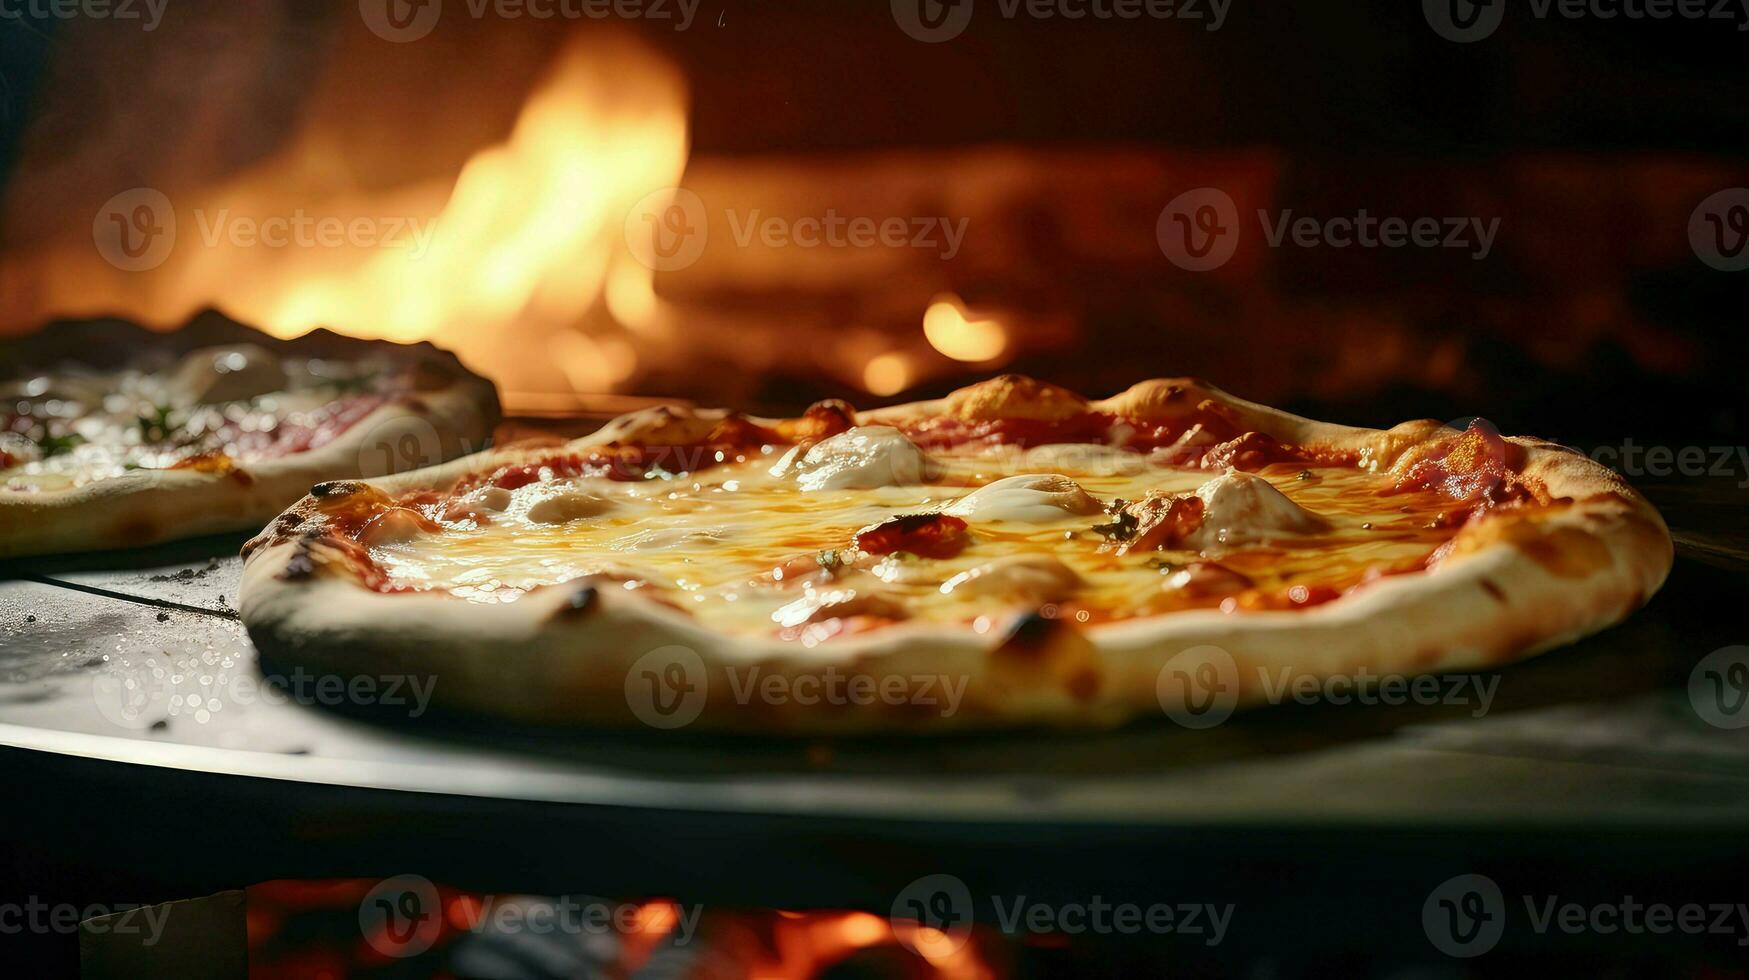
[1045, 558]
[114, 436]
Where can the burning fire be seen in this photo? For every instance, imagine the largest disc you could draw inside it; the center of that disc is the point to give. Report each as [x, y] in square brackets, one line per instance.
[527, 236]
[805, 943]
[528, 256]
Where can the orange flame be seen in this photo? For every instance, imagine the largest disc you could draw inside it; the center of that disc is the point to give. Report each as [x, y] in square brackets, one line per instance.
[529, 235]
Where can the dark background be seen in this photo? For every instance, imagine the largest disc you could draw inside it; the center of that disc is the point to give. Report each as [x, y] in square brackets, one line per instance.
[1592, 140]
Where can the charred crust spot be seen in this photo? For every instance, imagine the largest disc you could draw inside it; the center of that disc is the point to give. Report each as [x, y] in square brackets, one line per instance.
[1493, 588]
[282, 528]
[579, 602]
[1564, 552]
[335, 488]
[1031, 637]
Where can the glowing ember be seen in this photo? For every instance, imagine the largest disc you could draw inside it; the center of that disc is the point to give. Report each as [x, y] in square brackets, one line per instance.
[311, 928]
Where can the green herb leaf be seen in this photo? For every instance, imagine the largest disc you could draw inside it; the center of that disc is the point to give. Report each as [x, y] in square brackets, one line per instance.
[56, 445]
[156, 426]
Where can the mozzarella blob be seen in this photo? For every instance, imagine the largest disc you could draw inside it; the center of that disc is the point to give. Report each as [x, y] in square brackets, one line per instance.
[566, 506]
[491, 498]
[867, 457]
[1028, 499]
[1240, 509]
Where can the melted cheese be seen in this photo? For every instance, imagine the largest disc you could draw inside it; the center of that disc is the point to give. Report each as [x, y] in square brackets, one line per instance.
[741, 545]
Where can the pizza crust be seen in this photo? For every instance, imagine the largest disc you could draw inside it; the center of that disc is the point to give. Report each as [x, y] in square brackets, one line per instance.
[1513, 584]
[452, 413]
